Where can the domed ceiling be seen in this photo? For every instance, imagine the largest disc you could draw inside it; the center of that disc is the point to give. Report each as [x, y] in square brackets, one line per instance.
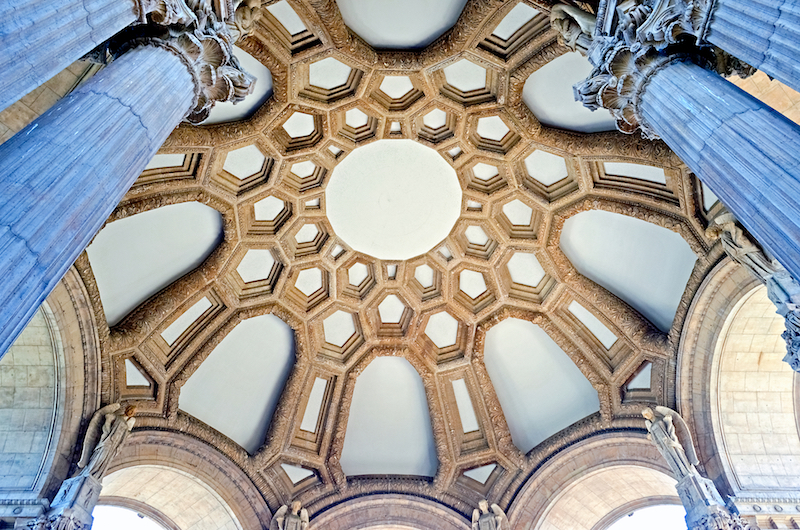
[411, 269]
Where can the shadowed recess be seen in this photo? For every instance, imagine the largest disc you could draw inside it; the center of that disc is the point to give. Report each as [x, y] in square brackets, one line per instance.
[389, 428]
[237, 387]
[540, 389]
[642, 263]
[135, 257]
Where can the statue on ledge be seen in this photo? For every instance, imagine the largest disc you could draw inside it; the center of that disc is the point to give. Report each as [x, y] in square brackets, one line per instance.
[107, 431]
[489, 518]
[283, 519]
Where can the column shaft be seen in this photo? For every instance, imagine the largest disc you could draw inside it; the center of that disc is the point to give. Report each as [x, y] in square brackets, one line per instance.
[762, 33]
[62, 176]
[747, 153]
[39, 38]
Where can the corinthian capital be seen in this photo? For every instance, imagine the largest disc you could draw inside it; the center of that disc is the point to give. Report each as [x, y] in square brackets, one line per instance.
[630, 42]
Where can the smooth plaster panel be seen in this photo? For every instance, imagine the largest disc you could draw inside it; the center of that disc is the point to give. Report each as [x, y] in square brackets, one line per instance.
[389, 427]
[540, 389]
[400, 24]
[237, 387]
[189, 502]
[393, 199]
[548, 93]
[642, 263]
[135, 257]
[116, 518]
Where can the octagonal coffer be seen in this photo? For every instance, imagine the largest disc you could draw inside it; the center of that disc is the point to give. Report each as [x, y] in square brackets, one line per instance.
[244, 169]
[328, 80]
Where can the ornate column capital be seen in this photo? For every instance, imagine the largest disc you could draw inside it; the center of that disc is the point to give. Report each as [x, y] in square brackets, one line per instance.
[629, 42]
[194, 31]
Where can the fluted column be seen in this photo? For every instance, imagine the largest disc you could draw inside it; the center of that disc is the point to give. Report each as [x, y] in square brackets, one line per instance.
[762, 33]
[746, 152]
[39, 38]
[64, 173]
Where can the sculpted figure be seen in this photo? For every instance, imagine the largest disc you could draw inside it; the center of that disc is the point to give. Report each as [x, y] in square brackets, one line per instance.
[741, 248]
[283, 519]
[574, 26]
[669, 432]
[489, 518]
[107, 430]
[792, 338]
[244, 19]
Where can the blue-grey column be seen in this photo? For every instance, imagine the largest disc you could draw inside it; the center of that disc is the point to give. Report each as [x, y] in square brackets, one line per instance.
[762, 33]
[39, 38]
[747, 153]
[62, 176]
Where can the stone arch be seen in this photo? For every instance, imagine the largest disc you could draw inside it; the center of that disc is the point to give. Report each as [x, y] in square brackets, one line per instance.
[559, 479]
[189, 456]
[723, 287]
[389, 512]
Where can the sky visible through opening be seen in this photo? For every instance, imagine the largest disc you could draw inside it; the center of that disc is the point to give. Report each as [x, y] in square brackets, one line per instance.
[116, 518]
[662, 517]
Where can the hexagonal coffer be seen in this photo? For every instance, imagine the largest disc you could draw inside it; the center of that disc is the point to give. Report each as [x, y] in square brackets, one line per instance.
[267, 216]
[444, 337]
[301, 130]
[436, 125]
[257, 273]
[309, 287]
[329, 80]
[359, 279]
[308, 239]
[491, 133]
[526, 279]
[397, 93]
[305, 176]
[546, 175]
[342, 334]
[244, 169]
[426, 282]
[519, 220]
[467, 83]
[473, 291]
[393, 316]
[485, 178]
[356, 125]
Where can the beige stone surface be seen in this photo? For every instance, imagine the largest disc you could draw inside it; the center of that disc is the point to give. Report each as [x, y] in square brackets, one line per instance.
[772, 92]
[186, 500]
[757, 418]
[35, 103]
[588, 500]
[27, 400]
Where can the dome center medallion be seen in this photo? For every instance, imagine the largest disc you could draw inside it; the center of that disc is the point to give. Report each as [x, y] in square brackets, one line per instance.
[393, 199]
